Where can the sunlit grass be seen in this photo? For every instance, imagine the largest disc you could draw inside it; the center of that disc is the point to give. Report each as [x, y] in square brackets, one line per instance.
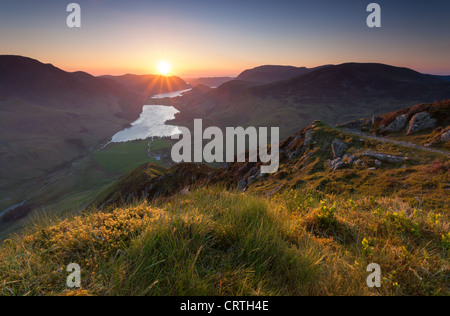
[218, 242]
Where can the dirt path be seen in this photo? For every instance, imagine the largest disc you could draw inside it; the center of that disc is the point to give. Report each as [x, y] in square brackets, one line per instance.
[397, 142]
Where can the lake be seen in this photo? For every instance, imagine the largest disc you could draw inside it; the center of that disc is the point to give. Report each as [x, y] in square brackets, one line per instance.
[151, 123]
[174, 94]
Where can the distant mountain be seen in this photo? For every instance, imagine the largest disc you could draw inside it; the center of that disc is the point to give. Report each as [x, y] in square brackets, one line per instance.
[360, 79]
[335, 94]
[49, 117]
[211, 82]
[148, 85]
[270, 73]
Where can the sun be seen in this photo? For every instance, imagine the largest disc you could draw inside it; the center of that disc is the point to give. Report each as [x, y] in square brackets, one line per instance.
[164, 68]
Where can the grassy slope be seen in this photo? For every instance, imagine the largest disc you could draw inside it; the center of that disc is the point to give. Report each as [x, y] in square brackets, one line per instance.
[316, 237]
[421, 180]
[219, 242]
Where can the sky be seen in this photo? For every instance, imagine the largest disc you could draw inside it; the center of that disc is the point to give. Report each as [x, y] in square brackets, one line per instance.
[223, 38]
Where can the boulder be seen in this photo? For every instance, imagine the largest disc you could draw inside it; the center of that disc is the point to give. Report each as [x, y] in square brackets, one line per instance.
[308, 138]
[358, 162]
[398, 124]
[421, 122]
[349, 159]
[375, 120]
[384, 157]
[446, 136]
[338, 148]
[251, 180]
[336, 164]
[242, 185]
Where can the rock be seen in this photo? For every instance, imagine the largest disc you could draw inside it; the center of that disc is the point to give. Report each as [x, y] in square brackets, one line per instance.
[252, 172]
[273, 191]
[398, 124]
[242, 185]
[349, 159]
[372, 169]
[291, 156]
[446, 136]
[244, 168]
[384, 157]
[358, 162]
[294, 141]
[251, 180]
[420, 122]
[375, 120]
[338, 148]
[336, 164]
[308, 138]
[185, 191]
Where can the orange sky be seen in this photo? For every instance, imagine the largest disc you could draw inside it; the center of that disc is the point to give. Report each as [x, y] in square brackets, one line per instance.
[223, 38]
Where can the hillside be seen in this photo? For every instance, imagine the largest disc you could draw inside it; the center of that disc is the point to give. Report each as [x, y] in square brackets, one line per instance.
[335, 94]
[148, 85]
[340, 201]
[49, 118]
[424, 124]
[270, 73]
[211, 82]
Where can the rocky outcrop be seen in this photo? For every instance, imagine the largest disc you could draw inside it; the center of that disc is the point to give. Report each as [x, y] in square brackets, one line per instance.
[308, 138]
[242, 185]
[384, 157]
[339, 163]
[398, 124]
[421, 122]
[338, 148]
[446, 136]
[336, 164]
[349, 159]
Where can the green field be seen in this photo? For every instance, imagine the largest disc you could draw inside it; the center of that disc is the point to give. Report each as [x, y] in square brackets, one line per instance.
[124, 157]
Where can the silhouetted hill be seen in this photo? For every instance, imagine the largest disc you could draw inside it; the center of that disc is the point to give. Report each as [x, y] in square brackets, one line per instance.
[335, 94]
[211, 82]
[148, 85]
[270, 73]
[353, 79]
[49, 117]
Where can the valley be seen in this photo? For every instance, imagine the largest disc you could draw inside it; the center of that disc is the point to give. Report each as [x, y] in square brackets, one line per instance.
[53, 126]
[363, 177]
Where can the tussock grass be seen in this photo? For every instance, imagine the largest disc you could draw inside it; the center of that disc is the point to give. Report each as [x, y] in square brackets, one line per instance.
[217, 242]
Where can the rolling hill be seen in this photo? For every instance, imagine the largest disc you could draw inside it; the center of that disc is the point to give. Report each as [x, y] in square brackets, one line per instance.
[49, 117]
[212, 82]
[335, 94]
[148, 85]
[272, 73]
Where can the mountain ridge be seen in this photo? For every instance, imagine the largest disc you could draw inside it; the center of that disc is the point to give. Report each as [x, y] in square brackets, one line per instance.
[271, 73]
[332, 93]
